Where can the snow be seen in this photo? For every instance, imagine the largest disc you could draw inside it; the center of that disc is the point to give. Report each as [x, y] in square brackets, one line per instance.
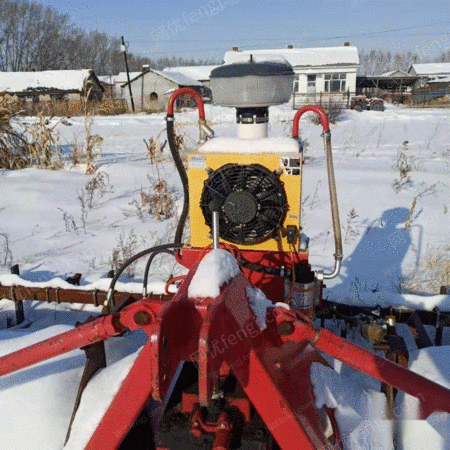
[199, 73]
[281, 145]
[215, 269]
[431, 68]
[382, 256]
[259, 304]
[63, 80]
[303, 57]
[179, 78]
[431, 363]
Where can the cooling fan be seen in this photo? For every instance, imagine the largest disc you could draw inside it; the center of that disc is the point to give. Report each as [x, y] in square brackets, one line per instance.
[251, 200]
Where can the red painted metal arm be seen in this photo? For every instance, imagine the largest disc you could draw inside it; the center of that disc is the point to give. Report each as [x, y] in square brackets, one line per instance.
[137, 315]
[194, 93]
[89, 333]
[323, 118]
[432, 396]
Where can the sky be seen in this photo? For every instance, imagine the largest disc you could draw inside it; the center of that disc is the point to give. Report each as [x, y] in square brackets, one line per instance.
[207, 28]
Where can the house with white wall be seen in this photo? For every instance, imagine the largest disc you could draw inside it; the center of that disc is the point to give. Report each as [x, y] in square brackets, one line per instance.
[322, 74]
[430, 72]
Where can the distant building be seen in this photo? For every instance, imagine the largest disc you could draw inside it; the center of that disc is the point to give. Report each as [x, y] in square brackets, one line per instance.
[152, 89]
[52, 85]
[199, 73]
[394, 86]
[322, 74]
[430, 72]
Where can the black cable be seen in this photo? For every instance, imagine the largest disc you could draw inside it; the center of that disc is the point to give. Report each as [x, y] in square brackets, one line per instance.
[149, 263]
[131, 260]
[183, 175]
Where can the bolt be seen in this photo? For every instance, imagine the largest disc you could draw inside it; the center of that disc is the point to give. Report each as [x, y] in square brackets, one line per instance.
[278, 365]
[286, 328]
[141, 318]
[223, 426]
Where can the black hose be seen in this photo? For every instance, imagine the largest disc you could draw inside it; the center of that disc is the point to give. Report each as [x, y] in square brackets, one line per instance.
[183, 175]
[149, 263]
[131, 260]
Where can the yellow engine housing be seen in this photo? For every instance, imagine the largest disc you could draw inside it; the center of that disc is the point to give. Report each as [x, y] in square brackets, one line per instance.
[288, 165]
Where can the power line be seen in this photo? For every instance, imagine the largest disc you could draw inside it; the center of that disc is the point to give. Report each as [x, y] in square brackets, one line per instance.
[305, 38]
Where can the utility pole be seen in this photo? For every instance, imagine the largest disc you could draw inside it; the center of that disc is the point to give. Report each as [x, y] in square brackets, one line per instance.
[124, 50]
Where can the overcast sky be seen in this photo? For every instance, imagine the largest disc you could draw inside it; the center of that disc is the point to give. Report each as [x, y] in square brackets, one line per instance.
[207, 28]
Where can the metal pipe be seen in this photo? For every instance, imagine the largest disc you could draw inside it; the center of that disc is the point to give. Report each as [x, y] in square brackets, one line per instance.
[215, 229]
[338, 255]
[334, 208]
[193, 93]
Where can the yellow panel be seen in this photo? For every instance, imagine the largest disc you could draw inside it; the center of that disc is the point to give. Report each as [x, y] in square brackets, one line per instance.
[198, 174]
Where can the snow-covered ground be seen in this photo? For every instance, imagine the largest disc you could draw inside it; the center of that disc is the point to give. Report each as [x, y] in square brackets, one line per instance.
[396, 246]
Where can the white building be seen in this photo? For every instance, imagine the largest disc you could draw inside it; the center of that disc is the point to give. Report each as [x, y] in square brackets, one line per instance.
[430, 72]
[322, 74]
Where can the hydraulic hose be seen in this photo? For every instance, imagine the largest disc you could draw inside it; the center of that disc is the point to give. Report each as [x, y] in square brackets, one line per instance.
[176, 154]
[147, 268]
[157, 248]
[331, 181]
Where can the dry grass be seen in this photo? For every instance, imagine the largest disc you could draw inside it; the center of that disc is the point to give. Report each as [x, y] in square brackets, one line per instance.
[432, 273]
[21, 145]
[160, 203]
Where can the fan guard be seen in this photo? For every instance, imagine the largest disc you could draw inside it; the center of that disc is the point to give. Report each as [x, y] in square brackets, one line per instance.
[252, 203]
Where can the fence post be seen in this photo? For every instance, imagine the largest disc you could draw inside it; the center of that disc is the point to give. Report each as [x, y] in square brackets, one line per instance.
[20, 314]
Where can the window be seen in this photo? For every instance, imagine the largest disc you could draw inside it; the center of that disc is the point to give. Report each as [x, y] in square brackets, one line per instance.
[335, 82]
[311, 80]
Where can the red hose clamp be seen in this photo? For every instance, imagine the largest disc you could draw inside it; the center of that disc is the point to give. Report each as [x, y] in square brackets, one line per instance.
[322, 114]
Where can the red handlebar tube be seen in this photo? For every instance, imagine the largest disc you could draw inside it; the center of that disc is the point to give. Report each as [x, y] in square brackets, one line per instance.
[193, 93]
[323, 118]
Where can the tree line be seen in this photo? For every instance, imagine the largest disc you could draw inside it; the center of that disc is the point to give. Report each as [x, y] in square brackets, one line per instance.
[38, 37]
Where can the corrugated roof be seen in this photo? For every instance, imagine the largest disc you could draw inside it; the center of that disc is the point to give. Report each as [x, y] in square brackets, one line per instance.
[199, 73]
[64, 80]
[303, 57]
[431, 68]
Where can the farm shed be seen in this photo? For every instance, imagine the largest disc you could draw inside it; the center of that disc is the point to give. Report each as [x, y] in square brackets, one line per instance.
[151, 89]
[393, 86]
[322, 74]
[52, 85]
[199, 73]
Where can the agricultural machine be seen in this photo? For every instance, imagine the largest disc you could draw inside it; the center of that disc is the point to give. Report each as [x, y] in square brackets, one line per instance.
[228, 357]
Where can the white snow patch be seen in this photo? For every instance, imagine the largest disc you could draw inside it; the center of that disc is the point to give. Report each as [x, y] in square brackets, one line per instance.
[360, 412]
[259, 304]
[96, 399]
[265, 145]
[434, 432]
[215, 269]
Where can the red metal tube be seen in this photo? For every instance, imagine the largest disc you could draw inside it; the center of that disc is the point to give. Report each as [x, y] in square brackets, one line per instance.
[194, 93]
[432, 396]
[89, 333]
[323, 118]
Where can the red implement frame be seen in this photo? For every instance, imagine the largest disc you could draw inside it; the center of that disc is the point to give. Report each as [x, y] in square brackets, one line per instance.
[272, 366]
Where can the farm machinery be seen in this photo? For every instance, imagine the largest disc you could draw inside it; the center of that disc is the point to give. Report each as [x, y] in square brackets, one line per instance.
[228, 357]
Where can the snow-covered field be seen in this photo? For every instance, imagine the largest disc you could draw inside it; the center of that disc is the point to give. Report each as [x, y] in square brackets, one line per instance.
[396, 252]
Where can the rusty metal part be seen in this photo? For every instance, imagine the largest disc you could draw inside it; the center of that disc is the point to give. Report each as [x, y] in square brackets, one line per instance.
[95, 360]
[418, 331]
[59, 295]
